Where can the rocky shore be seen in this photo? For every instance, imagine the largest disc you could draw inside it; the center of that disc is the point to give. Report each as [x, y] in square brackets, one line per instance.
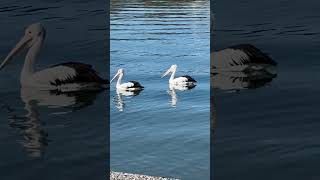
[127, 176]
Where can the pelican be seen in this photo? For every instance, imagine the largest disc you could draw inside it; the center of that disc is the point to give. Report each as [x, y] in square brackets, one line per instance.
[181, 81]
[128, 86]
[65, 77]
[242, 58]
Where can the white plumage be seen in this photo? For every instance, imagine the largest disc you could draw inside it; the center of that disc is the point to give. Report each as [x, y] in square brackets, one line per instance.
[128, 86]
[51, 74]
[230, 59]
[46, 77]
[181, 81]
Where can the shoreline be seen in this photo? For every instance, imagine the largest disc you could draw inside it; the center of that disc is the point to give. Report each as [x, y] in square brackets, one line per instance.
[129, 176]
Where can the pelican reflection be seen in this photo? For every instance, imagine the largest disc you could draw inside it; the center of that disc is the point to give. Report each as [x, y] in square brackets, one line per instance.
[35, 137]
[118, 99]
[229, 81]
[176, 87]
[30, 125]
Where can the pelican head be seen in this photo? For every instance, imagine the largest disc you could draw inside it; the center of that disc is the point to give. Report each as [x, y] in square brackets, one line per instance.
[172, 69]
[33, 33]
[120, 72]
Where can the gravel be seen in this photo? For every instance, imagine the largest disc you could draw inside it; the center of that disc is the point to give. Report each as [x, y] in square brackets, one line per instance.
[127, 176]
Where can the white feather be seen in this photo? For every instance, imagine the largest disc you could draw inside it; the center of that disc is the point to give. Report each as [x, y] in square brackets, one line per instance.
[180, 80]
[126, 85]
[61, 73]
[222, 59]
[45, 77]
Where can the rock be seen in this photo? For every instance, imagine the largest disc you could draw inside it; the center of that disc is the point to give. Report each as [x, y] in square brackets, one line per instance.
[127, 176]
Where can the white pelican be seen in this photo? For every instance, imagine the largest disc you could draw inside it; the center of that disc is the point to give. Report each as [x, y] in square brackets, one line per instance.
[128, 86]
[70, 76]
[181, 81]
[242, 57]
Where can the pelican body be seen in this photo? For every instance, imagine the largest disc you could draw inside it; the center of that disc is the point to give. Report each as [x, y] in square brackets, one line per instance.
[65, 77]
[179, 81]
[128, 86]
[242, 58]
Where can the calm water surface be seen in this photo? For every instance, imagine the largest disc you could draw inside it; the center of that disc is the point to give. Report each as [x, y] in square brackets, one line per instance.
[155, 132]
[270, 132]
[49, 136]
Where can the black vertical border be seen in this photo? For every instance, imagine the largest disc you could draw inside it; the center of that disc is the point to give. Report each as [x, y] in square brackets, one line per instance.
[107, 59]
[212, 98]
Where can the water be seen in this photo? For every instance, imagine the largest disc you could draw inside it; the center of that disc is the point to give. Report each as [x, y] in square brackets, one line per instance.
[156, 133]
[49, 136]
[270, 132]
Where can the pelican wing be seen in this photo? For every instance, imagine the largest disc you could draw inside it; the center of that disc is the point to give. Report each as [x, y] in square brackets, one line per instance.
[127, 85]
[239, 57]
[189, 78]
[136, 84]
[66, 73]
[131, 84]
[55, 75]
[184, 79]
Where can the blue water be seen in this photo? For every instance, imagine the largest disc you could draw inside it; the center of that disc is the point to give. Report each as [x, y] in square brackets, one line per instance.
[47, 136]
[271, 132]
[149, 133]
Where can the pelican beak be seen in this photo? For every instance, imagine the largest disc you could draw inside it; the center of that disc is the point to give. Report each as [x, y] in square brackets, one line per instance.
[166, 73]
[20, 46]
[114, 77]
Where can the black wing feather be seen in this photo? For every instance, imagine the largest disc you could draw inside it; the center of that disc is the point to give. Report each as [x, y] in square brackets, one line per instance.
[190, 79]
[84, 74]
[136, 84]
[255, 55]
